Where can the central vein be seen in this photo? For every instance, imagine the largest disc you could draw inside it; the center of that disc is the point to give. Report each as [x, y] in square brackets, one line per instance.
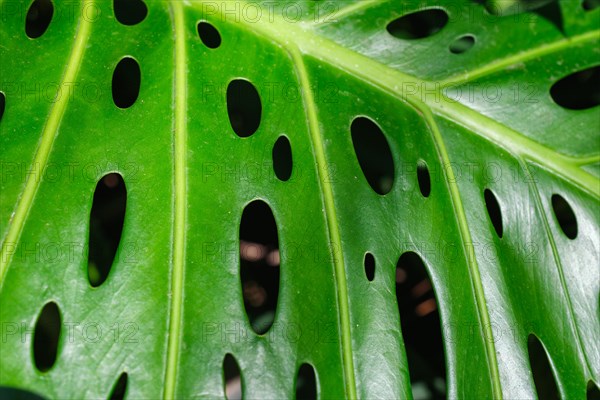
[180, 189]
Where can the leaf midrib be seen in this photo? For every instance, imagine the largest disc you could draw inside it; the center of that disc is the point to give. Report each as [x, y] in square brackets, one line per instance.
[180, 197]
[49, 134]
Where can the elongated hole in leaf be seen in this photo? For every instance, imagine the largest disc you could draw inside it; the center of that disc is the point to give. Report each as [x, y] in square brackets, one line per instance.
[494, 212]
[424, 179]
[38, 18]
[18, 394]
[306, 383]
[46, 336]
[244, 107]
[589, 5]
[282, 158]
[593, 392]
[130, 12]
[369, 266]
[126, 82]
[120, 389]
[106, 226]
[579, 90]
[2, 104]
[259, 265]
[209, 35]
[565, 216]
[421, 325]
[232, 377]
[418, 25]
[462, 44]
[373, 153]
[543, 378]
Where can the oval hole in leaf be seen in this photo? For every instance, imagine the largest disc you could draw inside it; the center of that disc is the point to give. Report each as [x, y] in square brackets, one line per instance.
[209, 35]
[244, 107]
[259, 265]
[543, 378]
[18, 394]
[130, 12]
[106, 226]
[232, 378]
[462, 44]
[126, 82]
[565, 216]
[38, 18]
[494, 212]
[120, 388]
[424, 178]
[373, 153]
[46, 336]
[421, 325]
[593, 392]
[418, 25]
[589, 5]
[2, 104]
[282, 158]
[369, 262]
[306, 383]
[578, 91]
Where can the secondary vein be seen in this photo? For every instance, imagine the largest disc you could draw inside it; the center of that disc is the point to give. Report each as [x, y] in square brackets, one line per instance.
[332, 223]
[49, 135]
[538, 202]
[472, 264]
[180, 190]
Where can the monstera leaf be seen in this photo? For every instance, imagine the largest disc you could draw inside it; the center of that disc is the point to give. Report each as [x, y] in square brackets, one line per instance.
[322, 196]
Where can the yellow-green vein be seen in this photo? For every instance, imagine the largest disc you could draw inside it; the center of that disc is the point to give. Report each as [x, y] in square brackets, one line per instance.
[538, 202]
[332, 222]
[49, 134]
[465, 234]
[180, 193]
[524, 56]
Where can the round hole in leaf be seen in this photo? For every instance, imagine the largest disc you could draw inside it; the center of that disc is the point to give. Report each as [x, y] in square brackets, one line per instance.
[494, 212]
[126, 82]
[282, 158]
[259, 265]
[106, 226]
[565, 216]
[589, 5]
[232, 378]
[373, 153]
[545, 385]
[38, 18]
[420, 322]
[130, 12]
[462, 44]
[209, 35]
[2, 104]
[46, 336]
[424, 179]
[369, 263]
[306, 383]
[579, 90]
[419, 24]
[244, 107]
[120, 389]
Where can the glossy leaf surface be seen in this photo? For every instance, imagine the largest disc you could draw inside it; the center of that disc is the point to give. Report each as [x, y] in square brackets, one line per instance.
[172, 307]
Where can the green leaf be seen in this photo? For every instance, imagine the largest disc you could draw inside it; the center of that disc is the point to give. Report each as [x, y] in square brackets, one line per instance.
[508, 230]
